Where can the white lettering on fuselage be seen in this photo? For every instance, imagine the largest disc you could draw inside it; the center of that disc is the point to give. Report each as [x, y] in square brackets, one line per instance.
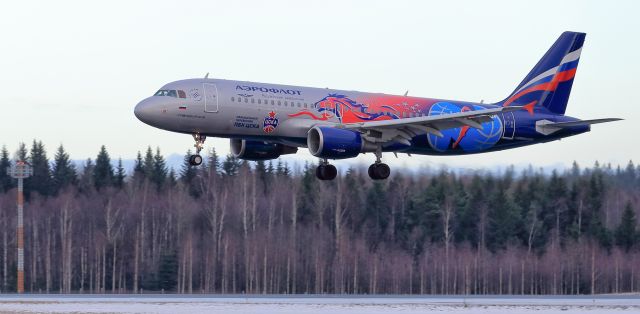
[268, 90]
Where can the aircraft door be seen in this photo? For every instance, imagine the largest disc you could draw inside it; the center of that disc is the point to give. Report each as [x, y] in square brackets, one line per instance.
[210, 97]
[509, 125]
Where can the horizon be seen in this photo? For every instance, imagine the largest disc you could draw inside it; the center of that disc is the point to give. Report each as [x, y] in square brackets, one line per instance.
[175, 161]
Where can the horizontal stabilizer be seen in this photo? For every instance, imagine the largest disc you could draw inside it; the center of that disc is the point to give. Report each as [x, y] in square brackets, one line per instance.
[547, 127]
[581, 122]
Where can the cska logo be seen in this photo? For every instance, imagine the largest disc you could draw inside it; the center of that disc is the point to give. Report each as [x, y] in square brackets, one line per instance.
[270, 122]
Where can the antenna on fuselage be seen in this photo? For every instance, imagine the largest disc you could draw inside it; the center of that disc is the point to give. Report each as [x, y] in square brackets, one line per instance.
[206, 76]
[482, 101]
[406, 93]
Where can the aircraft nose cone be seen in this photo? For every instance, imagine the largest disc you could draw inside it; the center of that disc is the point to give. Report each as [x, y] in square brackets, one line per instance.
[143, 110]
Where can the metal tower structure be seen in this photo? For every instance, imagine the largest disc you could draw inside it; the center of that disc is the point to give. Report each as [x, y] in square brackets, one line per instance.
[20, 170]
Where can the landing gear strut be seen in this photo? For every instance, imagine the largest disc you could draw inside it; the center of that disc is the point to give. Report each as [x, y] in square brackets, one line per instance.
[196, 160]
[326, 171]
[379, 170]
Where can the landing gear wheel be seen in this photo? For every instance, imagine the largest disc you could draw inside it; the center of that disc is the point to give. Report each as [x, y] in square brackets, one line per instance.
[379, 171]
[195, 160]
[326, 172]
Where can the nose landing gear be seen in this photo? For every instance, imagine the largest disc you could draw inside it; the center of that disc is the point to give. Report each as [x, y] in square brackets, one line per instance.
[326, 171]
[379, 170]
[196, 160]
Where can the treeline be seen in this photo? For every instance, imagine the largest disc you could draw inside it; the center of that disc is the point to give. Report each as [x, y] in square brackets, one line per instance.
[232, 226]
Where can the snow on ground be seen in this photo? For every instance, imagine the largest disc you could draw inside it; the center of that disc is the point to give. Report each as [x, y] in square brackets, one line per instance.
[162, 304]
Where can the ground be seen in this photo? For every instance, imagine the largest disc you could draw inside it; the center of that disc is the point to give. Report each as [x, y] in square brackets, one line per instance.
[316, 304]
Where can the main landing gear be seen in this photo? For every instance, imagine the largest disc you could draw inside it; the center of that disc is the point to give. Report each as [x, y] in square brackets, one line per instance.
[379, 170]
[326, 171]
[196, 160]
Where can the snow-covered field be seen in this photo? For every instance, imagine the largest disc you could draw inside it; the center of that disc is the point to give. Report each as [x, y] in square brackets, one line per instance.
[316, 304]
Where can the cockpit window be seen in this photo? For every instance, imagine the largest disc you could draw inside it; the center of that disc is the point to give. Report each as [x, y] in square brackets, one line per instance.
[182, 94]
[165, 92]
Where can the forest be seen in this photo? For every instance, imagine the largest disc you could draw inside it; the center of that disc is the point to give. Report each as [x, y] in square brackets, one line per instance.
[233, 226]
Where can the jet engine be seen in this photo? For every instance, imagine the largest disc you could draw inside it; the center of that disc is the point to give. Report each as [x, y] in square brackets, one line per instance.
[259, 150]
[334, 143]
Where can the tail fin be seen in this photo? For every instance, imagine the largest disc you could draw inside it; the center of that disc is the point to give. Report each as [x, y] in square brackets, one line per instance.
[549, 82]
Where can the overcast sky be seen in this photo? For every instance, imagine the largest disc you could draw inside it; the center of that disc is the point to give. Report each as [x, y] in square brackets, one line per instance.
[72, 71]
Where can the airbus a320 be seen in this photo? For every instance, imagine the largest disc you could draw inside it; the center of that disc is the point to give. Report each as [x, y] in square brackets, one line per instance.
[265, 121]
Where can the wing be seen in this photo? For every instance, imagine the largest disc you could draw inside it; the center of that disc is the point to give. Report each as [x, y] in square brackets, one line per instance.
[403, 130]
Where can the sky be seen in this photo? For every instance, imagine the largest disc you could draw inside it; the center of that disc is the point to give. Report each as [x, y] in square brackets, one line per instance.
[72, 71]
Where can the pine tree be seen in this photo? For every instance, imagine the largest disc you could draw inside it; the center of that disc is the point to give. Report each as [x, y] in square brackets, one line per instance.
[64, 171]
[626, 234]
[6, 182]
[159, 169]
[85, 182]
[171, 178]
[168, 271]
[147, 164]
[504, 219]
[261, 172]
[188, 175]
[121, 174]
[138, 170]
[41, 180]
[21, 153]
[231, 165]
[378, 213]
[103, 171]
[213, 164]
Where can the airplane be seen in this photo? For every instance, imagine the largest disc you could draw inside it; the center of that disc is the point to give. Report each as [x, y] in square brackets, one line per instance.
[265, 121]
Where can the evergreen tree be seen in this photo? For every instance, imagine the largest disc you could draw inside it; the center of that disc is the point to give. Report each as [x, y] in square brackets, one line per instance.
[41, 180]
[468, 216]
[503, 219]
[378, 213]
[171, 178]
[595, 198]
[213, 164]
[85, 182]
[261, 172]
[188, 176]
[6, 182]
[308, 194]
[64, 171]
[168, 271]
[121, 174]
[138, 170]
[626, 234]
[138, 167]
[159, 173]
[231, 165]
[103, 175]
[21, 153]
[148, 164]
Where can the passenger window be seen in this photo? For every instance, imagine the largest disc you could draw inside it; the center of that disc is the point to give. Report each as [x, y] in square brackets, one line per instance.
[305, 105]
[233, 99]
[273, 103]
[285, 103]
[299, 105]
[278, 103]
[182, 94]
[253, 101]
[246, 100]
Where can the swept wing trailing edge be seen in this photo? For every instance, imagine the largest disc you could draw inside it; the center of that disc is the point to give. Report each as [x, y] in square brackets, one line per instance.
[403, 130]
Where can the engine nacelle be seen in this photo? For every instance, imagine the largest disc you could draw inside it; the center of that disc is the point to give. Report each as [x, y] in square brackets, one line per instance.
[259, 150]
[334, 143]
